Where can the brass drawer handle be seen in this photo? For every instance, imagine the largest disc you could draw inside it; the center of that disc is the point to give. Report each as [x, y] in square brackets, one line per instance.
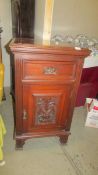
[25, 115]
[50, 71]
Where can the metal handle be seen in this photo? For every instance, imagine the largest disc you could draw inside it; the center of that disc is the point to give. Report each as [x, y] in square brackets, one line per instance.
[50, 70]
[25, 115]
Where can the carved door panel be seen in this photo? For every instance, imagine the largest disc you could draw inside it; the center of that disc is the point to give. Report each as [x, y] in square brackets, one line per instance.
[45, 107]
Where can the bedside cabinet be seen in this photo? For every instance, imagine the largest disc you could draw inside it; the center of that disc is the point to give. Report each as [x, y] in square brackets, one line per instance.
[46, 81]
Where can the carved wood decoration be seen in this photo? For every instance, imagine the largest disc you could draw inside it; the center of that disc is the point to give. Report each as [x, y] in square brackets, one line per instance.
[46, 108]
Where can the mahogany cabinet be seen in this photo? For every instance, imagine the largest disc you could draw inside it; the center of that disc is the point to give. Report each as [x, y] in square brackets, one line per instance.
[46, 79]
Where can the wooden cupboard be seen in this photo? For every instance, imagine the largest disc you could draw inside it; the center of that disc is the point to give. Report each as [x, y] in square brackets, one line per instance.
[46, 80]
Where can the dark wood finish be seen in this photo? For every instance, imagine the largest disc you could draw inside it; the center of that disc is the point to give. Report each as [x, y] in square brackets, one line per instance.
[46, 84]
[23, 15]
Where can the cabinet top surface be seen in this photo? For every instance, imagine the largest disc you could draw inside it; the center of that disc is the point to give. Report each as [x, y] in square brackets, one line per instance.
[30, 45]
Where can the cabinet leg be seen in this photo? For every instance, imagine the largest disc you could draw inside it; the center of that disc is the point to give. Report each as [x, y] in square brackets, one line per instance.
[63, 139]
[19, 144]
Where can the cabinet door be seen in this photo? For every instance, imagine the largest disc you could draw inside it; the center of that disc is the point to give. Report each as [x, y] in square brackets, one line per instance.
[45, 107]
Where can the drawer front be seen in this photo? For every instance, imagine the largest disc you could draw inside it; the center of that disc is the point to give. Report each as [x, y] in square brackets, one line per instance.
[33, 70]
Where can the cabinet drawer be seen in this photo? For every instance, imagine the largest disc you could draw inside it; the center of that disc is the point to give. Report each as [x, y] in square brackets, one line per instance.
[48, 70]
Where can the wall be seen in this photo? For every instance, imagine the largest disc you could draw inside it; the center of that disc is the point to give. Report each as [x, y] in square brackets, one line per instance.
[5, 22]
[72, 17]
[39, 18]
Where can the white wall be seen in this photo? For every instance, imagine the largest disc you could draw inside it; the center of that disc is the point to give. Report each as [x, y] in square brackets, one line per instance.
[72, 17]
[39, 18]
[5, 23]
